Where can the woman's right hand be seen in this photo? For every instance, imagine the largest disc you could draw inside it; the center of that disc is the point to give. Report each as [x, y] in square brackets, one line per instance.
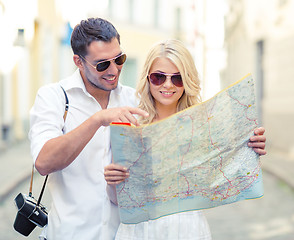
[115, 174]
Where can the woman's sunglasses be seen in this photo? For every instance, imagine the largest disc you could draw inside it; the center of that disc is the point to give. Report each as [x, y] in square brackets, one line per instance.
[160, 78]
[103, 65]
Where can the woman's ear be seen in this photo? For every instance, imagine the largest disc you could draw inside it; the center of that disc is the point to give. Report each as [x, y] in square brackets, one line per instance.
[78, 61]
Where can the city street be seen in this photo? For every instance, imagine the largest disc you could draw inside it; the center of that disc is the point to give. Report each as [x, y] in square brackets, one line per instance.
[50, 43]
[268, 218]
[8, 210]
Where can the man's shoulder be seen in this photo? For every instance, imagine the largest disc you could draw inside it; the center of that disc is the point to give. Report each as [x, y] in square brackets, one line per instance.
[72, 81]
[49, 87]
[66, 83]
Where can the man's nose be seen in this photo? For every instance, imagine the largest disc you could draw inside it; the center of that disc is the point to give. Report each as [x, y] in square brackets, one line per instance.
[113, 67]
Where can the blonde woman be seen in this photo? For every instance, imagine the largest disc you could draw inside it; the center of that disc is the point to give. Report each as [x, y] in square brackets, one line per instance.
[169, 83]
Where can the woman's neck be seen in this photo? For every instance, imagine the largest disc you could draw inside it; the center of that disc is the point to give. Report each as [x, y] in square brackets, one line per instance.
[163, 112]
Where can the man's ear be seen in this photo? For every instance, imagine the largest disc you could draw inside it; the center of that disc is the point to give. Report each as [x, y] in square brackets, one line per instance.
[78, 62]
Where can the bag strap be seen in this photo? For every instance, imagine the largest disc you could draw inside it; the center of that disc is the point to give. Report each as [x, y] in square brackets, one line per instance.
[45, 181]
[66, 104]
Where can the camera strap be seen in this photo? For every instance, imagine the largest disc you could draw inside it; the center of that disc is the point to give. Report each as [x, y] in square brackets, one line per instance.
[32, 175]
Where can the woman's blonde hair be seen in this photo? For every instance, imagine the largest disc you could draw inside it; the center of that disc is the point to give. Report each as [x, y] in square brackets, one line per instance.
[179, 55]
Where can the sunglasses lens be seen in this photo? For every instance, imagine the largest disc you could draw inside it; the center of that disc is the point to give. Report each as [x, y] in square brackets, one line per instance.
[177, 80]
[121, 59]
[102, 66]
[157, 78]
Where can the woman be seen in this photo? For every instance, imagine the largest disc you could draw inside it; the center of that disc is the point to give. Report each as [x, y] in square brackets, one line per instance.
[169, 83]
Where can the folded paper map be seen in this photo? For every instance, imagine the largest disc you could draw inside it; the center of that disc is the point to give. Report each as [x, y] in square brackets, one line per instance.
[195, 159]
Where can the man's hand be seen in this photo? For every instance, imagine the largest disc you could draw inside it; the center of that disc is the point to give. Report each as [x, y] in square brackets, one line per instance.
[122, 114]
[257, 142]
[115, 174]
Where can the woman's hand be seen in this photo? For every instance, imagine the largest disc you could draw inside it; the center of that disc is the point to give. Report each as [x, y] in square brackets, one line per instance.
[115, 174]
[257, 142]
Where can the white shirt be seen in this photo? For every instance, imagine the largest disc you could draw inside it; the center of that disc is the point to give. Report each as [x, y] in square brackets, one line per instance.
[80, 206]
[180, 226]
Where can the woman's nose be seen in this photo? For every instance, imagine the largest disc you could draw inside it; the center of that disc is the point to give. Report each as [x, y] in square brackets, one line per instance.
[168, 83]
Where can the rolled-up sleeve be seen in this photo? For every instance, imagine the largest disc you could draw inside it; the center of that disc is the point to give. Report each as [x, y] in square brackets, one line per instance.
[46, 117]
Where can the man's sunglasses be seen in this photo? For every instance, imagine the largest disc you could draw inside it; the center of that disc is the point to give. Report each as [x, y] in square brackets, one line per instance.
[160, 78]
[103, 65]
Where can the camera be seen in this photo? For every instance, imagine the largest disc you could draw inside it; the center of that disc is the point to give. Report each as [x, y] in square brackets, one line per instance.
[29, 215]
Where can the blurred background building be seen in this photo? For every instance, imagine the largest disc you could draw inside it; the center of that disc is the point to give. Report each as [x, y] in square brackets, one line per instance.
[227, 38]
[35, 44]
[259, 38]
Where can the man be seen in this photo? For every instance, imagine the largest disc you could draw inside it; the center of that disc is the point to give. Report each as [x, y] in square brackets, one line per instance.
[75, 152]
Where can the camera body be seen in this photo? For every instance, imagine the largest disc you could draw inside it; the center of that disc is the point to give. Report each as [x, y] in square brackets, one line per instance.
[29, 215]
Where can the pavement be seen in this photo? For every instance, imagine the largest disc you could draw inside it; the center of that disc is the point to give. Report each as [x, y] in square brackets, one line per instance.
[280, 165]
[16, 166]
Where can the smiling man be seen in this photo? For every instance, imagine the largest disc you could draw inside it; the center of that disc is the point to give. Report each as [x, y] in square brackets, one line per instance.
[74, 152]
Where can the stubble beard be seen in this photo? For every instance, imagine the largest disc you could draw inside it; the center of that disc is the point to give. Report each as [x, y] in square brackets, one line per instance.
[98, 85]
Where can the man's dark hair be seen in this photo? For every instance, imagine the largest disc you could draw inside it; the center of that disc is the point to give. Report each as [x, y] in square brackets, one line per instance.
[92, 29]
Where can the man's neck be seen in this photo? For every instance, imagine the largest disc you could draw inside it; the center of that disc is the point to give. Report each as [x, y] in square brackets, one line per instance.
[101, 96]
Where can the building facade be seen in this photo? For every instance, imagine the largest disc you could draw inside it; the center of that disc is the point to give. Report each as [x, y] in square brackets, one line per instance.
[37, 50]
[29, 60]
[259, 39]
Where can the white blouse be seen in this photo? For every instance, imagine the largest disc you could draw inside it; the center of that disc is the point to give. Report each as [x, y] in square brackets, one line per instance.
[180, 226]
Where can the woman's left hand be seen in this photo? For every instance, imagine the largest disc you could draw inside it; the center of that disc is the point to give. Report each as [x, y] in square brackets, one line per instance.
[257, 142]
[115, 174]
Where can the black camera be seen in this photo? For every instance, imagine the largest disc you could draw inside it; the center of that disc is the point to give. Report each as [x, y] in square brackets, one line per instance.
[29, 215]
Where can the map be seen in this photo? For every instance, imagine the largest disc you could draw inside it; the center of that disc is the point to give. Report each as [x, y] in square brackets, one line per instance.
[195, 159]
